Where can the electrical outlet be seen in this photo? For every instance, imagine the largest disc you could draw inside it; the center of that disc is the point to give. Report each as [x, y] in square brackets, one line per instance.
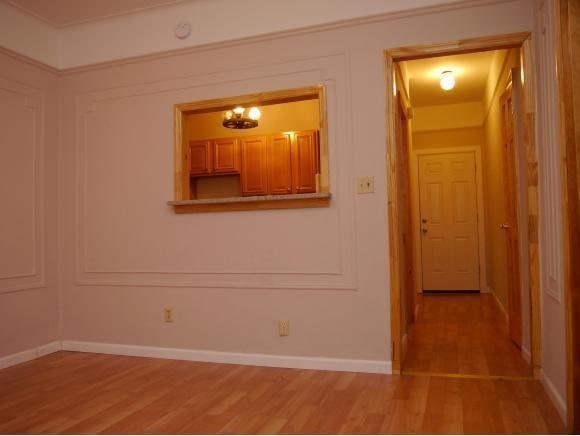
[168, 315]
[284, 327]
[365, 185]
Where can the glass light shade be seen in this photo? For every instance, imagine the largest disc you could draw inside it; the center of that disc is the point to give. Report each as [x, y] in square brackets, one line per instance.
[447, 81]
[228, 115]
[254, 113]
[239, 110]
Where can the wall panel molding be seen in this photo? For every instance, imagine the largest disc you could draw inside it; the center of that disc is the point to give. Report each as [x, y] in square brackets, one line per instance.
[330, 70]
[31, 102]
[549, 171]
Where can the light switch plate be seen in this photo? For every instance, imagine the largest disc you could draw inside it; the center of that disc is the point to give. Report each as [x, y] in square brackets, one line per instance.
[365, 185]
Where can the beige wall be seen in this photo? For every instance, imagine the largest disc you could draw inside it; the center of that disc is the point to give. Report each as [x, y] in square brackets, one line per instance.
[473, 136]
[28, 195]
[228, 287]
[448, 116]
[123, 253]
[285, 117]
[231, 276]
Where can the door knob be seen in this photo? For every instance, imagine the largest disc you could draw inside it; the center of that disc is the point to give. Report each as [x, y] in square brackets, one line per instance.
[424, 221]
[424, 230]
[504, 226]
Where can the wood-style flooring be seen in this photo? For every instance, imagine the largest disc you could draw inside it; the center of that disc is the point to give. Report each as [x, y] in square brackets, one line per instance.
[69, 392]
[462, 334]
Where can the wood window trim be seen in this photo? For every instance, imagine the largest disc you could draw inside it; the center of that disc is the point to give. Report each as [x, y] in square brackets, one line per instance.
[182, 203]
[262, 202]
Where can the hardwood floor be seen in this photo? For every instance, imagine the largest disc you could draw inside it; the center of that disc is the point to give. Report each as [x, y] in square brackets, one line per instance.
[462, 334]
[68, 392]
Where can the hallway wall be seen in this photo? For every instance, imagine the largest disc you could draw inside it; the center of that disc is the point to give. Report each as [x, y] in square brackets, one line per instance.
[471, 136]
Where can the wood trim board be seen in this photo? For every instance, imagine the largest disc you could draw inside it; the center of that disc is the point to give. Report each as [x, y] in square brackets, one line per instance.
[567, 17]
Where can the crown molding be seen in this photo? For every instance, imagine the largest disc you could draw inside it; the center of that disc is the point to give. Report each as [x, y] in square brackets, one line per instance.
[28, 60]
[89, 20]
[233, 42]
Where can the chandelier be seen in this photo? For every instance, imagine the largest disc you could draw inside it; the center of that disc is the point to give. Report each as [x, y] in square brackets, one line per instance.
[236, 119]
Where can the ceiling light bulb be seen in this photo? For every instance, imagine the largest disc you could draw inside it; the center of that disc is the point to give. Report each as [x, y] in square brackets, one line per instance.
[239, 110]
[228, 115]
[254, 113]
[447, 80]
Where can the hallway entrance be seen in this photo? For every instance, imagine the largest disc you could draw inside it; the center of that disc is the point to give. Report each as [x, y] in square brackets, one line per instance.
[462, 261]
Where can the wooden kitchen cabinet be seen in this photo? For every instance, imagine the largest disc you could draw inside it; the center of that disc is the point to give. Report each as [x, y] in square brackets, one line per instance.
[214, 157]
[254, 168]
[275, 164]
[305, 161]
[199, 157]
[280, 164]
[226, 156]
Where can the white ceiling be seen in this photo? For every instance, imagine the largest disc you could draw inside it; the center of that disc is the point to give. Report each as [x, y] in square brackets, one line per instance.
[62, 13]
[471, 72]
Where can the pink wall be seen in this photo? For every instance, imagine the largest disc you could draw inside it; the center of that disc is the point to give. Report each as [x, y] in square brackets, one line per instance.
[123, 255]
[231, 276]
[28, 195]
[89, 251]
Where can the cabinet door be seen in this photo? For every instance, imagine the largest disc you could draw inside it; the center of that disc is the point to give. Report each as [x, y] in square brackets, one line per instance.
[226, 156]
[280, 165]
[304, 161]
[254, 172]
[199, 157]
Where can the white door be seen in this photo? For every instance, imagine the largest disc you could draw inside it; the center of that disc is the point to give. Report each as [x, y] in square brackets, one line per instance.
[448, 210]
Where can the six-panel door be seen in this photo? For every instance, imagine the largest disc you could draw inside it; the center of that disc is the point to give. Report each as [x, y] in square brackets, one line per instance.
[448, 210]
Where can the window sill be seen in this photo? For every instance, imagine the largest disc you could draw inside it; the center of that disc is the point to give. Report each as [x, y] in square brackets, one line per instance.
[261, 202]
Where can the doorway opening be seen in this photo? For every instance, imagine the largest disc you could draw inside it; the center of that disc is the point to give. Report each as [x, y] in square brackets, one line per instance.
[462, 233]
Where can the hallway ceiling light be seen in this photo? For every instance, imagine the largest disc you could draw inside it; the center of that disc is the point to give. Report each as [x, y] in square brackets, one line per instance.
[235, 119]
[447, 81]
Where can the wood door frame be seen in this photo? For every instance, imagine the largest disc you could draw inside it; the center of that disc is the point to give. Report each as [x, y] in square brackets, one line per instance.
[568, 78]
[409, 308]
[416, 207]
[515, 40]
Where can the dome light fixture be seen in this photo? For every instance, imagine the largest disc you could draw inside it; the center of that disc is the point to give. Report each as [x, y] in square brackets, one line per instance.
[447, 81]
[235, 119]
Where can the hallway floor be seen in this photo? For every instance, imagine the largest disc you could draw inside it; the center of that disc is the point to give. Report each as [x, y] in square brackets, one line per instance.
[462, 334]
[67, 392]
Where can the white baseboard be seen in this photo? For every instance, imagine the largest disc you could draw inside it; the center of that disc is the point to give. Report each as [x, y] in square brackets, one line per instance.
[527, 355]
[554, 395]
[319, 363]
[30, 354]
